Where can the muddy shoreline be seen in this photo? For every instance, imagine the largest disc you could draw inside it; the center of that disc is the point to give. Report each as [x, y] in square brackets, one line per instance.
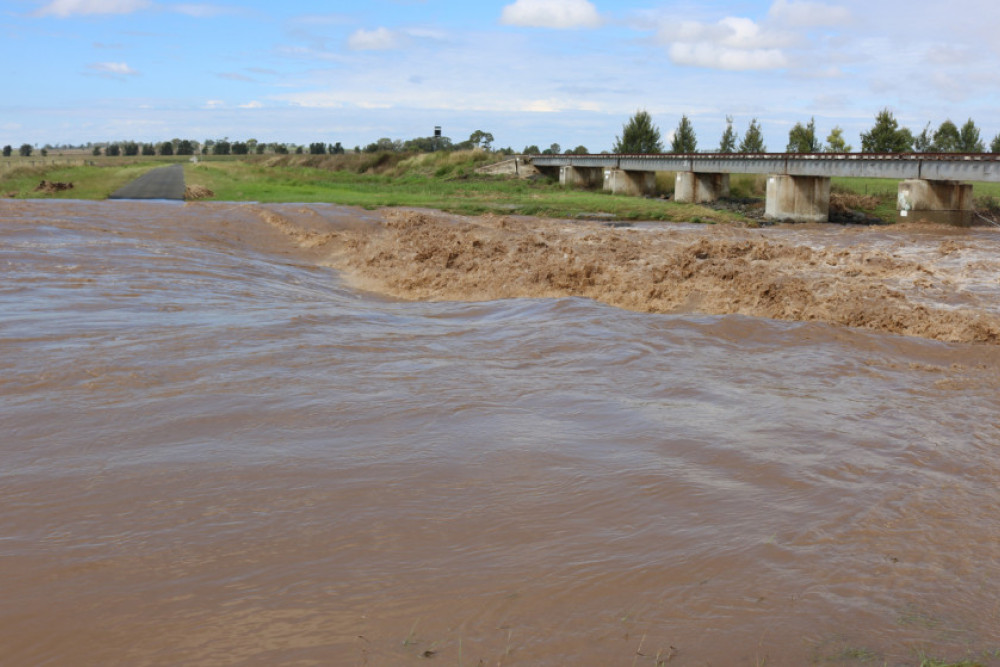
[914, 280]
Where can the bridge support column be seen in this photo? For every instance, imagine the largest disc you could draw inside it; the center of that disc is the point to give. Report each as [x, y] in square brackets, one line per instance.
[695, 188]
[798, 198]
[621, 182]
[948, 202]
[584, 177]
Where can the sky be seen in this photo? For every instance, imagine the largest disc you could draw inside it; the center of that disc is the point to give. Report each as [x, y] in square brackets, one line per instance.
[537, 72]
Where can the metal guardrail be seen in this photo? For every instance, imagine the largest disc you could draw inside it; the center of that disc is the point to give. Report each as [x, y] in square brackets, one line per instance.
[983, 167]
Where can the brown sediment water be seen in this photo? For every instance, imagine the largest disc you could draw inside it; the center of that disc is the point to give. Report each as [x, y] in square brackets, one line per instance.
[240, 434]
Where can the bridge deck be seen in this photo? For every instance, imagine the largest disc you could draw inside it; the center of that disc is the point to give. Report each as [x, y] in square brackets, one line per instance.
[928, 166]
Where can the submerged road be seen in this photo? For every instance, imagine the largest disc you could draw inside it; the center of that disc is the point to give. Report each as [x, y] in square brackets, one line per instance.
[161, 183]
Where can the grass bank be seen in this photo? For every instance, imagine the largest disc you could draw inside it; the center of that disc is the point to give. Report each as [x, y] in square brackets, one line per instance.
[89, 181]
[444, 181]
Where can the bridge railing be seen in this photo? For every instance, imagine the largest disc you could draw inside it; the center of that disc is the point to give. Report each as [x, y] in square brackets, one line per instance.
[927, 166]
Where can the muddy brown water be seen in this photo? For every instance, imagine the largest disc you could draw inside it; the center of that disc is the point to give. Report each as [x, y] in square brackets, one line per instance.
[235, 434]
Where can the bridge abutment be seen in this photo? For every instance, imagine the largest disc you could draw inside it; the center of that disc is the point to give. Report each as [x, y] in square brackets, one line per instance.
[621, 182]
[696, 188]
[947, 202]
[584, 177]
[798, 198]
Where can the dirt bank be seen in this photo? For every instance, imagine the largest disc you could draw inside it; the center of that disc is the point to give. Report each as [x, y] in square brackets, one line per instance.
[883, 281]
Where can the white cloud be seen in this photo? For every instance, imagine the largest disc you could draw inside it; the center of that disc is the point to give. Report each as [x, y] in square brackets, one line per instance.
[380, 39]
[947, 54]
[541, 106]
[252, 105]
[431, 34]
[732, 43]
[731, 32]
[236, 76]
[214, 104]
[113, 69]
[66, 8]
[560, 14]
[807, 14]
[705, 54]
[200, 11]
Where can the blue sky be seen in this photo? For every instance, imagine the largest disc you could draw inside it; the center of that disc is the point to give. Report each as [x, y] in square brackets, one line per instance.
[528, 71]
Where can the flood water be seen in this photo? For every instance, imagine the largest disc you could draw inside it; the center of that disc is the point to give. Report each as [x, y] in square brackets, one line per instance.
[214, 452]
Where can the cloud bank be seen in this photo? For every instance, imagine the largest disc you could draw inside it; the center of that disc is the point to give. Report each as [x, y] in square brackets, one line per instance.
[559, 14]
[67, 8]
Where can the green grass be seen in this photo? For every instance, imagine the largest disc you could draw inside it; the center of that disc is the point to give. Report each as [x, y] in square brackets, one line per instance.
[89, 182]
[934, 662]
[446, 182]
[986, 195]
[888, 187]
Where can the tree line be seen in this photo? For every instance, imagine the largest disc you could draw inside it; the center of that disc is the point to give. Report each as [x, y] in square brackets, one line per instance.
[478, 139]
[641, 136]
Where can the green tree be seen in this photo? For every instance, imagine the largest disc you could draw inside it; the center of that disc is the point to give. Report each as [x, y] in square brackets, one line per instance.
[923, 142]
[753, 140]
[886, 136]
[554, 149]
[222, 147]
[337, 149]
[802, 138]
[995, 144]
[148, 149]
[947, 138]
[639, 136]
[969, 141]
[25, 150]
[130, 148]
[728, 142]
[167, 148]
[185, 147]
[384, 144]
[580, 150]
[481, 139]
[533, 149]
[239, 148]
[96, 152]
[835, 142]
[318, 148]
[113, 150]
[684, 140]
[7, 150]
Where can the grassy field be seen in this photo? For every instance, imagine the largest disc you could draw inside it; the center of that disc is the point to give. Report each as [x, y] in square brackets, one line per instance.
[445, 181]
[89, 182]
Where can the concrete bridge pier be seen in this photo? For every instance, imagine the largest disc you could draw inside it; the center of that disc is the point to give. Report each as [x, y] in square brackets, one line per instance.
[947, 202]
[798, 198]
[584, 177]
[695, 188]
[621, 182]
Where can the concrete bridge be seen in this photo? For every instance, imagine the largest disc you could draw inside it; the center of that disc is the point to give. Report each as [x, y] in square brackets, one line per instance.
[798, 185]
